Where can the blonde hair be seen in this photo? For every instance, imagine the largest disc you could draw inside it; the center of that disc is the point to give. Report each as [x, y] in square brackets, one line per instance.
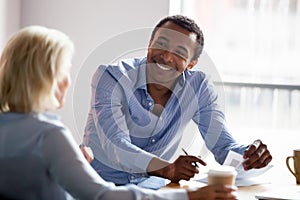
[31, 65]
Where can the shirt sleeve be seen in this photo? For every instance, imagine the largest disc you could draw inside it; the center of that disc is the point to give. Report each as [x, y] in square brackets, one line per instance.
[212, 125]
[109, 111]
[68, 168]
[144, 194]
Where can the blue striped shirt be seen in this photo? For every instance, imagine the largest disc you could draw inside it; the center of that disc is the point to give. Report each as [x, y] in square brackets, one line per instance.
[125, 135]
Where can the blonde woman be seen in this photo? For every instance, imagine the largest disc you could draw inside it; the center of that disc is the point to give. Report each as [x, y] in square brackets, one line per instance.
[39, 159]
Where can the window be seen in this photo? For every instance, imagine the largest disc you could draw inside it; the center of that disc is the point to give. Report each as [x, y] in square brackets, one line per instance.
[249, 41]
[255, 46]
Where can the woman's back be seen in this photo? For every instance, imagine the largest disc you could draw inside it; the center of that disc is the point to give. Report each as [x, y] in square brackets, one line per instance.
[24, 168]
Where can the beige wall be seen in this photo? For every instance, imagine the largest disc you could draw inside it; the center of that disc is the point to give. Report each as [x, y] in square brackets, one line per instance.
[9, 19]
[89, 23]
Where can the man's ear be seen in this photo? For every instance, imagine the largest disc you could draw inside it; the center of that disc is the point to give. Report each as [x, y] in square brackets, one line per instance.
[192, 64]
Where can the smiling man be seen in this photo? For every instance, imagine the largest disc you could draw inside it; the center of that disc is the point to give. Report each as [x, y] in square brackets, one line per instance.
[170, 53]
[140, 107]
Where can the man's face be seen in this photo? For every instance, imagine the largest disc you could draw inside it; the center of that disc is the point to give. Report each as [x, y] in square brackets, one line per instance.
[170, 53]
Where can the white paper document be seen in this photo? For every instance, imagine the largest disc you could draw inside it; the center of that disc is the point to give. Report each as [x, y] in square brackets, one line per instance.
[243, 178]
[239, 182]
[234, 159]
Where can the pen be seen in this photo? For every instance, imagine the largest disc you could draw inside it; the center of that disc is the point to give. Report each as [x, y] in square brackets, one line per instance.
[187, 155]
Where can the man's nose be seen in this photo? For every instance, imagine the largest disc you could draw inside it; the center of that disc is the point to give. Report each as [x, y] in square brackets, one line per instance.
[167, 56]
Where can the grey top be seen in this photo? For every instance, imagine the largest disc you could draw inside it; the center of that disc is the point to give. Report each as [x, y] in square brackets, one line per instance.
[39, 159]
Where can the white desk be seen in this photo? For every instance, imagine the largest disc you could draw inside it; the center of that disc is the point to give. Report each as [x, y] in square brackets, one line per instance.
[278, 178]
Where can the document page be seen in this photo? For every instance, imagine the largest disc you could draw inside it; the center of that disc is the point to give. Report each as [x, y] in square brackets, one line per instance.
[243, 178]
[234, 159]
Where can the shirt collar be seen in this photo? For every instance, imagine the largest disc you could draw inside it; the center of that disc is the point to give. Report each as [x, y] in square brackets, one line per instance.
[141, 75]
[181, 79]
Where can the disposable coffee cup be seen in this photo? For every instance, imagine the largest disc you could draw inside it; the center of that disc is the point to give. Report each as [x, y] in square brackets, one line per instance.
[222, 175]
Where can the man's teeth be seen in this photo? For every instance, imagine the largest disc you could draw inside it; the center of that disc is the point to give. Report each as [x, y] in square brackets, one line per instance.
[163, 67]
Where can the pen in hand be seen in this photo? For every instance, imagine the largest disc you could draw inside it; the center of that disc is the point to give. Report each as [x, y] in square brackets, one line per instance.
[194, 162]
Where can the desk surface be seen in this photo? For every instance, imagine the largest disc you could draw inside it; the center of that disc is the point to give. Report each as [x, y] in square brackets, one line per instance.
[278, 178]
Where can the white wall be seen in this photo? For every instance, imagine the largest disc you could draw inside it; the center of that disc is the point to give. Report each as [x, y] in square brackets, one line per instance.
[89, 23]
[9, 19]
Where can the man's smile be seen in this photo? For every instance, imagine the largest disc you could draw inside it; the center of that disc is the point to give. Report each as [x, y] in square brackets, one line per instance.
[164, 67]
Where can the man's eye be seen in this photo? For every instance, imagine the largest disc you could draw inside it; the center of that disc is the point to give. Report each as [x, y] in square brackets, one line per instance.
[181, 54]
[160, 44]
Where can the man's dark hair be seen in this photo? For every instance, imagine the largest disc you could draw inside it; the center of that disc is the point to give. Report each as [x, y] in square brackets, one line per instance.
[187, 24]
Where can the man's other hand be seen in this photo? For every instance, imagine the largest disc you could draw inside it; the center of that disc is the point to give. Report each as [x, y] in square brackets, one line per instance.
[256, 156]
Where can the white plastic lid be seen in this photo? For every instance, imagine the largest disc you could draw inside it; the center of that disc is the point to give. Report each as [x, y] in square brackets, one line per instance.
[222, 171]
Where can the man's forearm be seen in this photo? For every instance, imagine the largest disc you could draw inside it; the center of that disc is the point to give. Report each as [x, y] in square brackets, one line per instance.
[158, 167]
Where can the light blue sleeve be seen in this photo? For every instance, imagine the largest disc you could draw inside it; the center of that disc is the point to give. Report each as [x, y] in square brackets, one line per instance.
[108, 113]
[145, 194]
[212, 125]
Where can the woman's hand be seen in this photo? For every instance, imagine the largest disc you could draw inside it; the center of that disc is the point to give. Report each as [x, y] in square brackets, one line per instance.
[212, 192]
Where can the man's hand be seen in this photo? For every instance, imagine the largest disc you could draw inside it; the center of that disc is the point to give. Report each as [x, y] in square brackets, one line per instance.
[87, 153]
[183, 168]
[256, 156]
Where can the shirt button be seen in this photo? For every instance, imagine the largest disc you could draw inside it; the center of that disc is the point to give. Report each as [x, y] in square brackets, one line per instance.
[150, 103]
[153, 140]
